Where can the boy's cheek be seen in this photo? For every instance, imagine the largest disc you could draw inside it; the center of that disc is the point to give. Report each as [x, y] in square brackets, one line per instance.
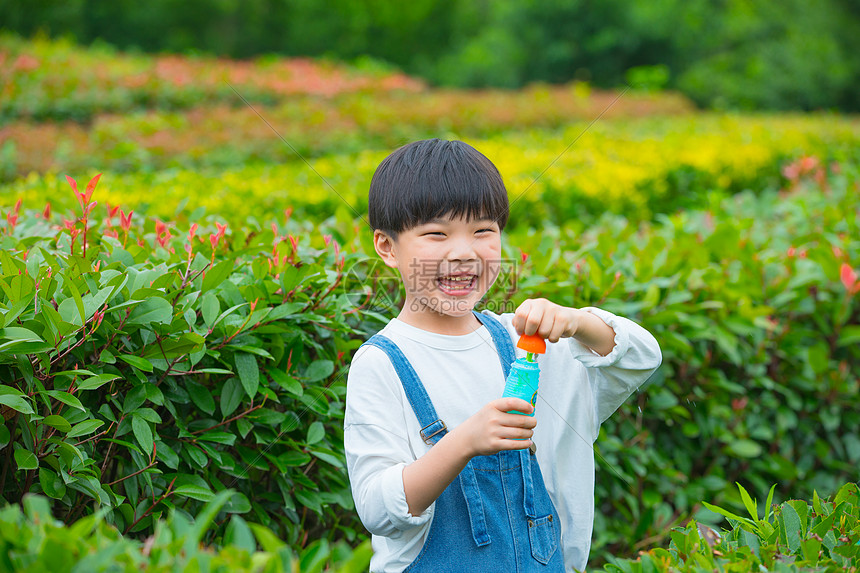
[493, 269]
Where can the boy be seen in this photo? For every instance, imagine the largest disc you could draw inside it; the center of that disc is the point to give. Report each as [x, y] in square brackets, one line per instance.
[444, 476]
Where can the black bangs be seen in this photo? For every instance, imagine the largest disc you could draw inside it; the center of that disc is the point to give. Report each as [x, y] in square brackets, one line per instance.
[434, 178]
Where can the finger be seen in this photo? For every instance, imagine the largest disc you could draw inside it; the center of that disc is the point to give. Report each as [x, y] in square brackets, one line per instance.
[518, 421]
[547, 325]
[515, 444]
[533, 319]
[520, 315]
[558, 327]
[510, 403]
[518, 433]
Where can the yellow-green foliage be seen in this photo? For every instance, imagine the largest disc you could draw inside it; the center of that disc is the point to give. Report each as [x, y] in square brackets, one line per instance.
[629, 166]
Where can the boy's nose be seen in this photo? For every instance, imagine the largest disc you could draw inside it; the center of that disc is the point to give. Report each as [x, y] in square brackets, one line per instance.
[463, 250]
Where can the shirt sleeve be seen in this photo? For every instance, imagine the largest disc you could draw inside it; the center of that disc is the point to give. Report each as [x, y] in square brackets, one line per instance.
[376, 446]
[614, 377]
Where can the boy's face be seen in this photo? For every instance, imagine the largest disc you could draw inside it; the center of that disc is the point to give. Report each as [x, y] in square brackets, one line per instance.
[446, 265]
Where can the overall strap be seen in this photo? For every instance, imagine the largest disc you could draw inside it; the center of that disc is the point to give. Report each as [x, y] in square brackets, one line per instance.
[432, 428]
[502, 340]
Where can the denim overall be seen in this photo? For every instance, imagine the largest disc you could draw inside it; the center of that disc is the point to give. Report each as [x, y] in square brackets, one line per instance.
[496, 516]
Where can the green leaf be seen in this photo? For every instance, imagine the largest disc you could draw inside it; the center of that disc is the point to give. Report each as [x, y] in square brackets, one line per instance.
[294, 458]
[65, 398]
[231, 396]
[84, 428]
[15, 310]
[791, 527]
[267, 540]
[849, 335]
[319, 369]
[152, 310]
[210, 307]
[153, 393]
[175, 347]
[802, 509]
[94, 382]
[251, 350]
[238, 503]
[810, 548]
[79, 301]
[58, 422]
[745, 448]
[201, 397]
[15, 335]
[26, 460]
[329, 457]
[309, 499]
[195, 492]
[286, 381]
[219, 437]
[51, 483]
[752, 507]
[77, 371]
[217, 275]
[143, 433]
[768, 503]
[751, 540]
[134, 398]
[227, 313]
[124, 444]
[239, 535]
[137, 361]
[315, 433]
[249, 372]
[5, 436]
[727, 513]
[16, 403]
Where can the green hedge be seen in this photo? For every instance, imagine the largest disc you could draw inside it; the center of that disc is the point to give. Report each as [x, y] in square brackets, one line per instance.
[184, 389]
[819, 535]
[145, 369]
[32, 540]
[759, 327]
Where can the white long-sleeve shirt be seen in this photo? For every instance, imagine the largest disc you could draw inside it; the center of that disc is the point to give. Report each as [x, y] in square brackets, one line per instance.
[578, 390]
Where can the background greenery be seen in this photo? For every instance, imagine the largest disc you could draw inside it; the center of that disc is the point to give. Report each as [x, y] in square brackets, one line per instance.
[174, 377]
[747, 54]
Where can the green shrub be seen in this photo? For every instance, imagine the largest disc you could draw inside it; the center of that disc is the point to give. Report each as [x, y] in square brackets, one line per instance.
[146, 369]
[821, 535]
[752, 301]
[32, 540]
[758, 319]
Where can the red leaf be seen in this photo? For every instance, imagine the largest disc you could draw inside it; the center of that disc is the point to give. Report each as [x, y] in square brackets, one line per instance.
[73, 183]
[91, 186]
[848, 277]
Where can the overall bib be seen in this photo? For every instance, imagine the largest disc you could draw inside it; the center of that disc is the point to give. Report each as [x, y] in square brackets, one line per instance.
[496, 516]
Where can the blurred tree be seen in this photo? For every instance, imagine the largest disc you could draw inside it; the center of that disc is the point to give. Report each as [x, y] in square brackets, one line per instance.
[732, 53]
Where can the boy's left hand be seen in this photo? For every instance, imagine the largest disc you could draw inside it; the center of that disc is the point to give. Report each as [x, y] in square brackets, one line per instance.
[546, 319]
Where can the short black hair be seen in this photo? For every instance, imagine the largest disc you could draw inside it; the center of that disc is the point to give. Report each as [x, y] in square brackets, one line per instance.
[433, 178]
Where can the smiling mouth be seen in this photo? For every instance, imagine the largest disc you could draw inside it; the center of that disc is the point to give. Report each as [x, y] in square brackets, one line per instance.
[457, 285]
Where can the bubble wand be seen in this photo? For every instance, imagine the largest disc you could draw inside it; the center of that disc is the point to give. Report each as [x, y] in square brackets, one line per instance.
[522, 381]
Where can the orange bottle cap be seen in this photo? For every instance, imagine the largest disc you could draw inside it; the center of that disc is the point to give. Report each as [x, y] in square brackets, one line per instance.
[532, 343]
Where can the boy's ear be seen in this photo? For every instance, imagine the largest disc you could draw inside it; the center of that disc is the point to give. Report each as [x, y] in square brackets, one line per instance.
[384, 246]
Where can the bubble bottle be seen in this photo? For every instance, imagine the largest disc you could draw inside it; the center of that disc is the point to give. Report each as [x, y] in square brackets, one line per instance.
[522, 380]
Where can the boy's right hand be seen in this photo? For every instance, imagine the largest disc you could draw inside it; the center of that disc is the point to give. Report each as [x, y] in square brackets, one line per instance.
[492, 429]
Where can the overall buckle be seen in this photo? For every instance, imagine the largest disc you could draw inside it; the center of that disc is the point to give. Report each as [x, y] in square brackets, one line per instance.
[438, 427]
